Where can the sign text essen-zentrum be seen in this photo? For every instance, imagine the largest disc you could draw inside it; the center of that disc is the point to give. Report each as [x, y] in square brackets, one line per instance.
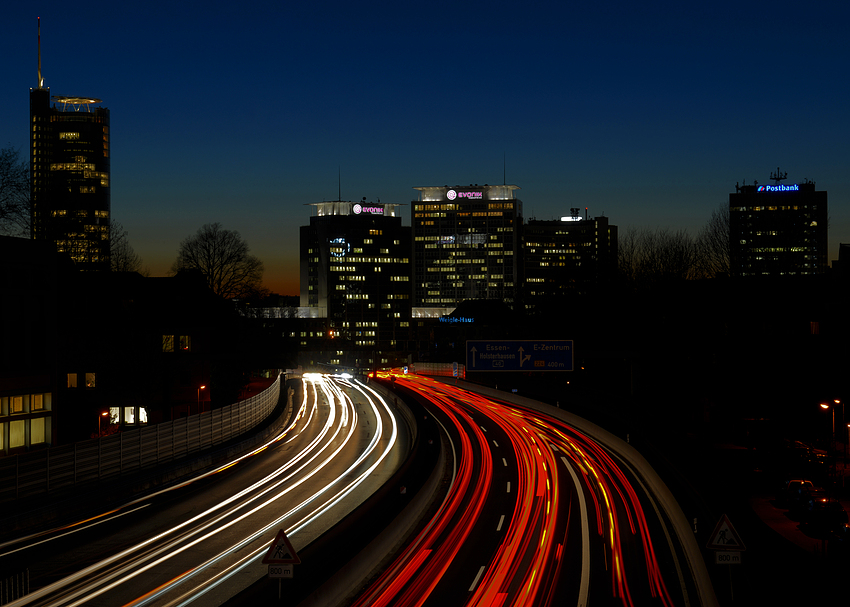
[522, 355]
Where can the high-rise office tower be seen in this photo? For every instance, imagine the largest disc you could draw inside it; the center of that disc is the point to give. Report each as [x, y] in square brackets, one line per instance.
[571, 256]
[355, 272]
[69, 168]
[778, 229]
[465, 244]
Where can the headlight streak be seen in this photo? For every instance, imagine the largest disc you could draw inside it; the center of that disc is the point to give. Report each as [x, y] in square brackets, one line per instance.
[521, 573]
[80, 525]
[299, 525]
[108, 562]
[115, 558]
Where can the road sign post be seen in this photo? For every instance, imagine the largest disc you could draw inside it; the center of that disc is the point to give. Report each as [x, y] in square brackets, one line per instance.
[727, 544]
[519, 355]
[281, 558]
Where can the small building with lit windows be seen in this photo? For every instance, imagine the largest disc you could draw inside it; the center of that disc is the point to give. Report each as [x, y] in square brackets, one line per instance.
[565, 257]
[355, 291]
[778, 229]
[69, 165]
[465, 245]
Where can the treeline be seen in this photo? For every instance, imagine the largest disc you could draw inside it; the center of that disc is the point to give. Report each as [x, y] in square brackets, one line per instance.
[648, 256]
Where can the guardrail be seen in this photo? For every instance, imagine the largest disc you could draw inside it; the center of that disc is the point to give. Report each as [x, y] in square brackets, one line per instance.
[54, 468]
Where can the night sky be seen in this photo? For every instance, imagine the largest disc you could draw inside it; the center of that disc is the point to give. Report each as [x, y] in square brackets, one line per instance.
[242, 113]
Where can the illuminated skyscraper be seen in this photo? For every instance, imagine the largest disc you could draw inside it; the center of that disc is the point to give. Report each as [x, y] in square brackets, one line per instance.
[69, 166]
[465, 244]
[778, 229]
[355, 273]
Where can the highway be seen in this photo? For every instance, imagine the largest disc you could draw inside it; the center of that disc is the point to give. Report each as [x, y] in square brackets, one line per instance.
[202, 541]
[537, 513]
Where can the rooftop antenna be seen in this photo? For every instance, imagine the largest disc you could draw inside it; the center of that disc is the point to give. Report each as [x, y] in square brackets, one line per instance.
[339, 183]
[504, 168]
[778, 176]
[40, 79]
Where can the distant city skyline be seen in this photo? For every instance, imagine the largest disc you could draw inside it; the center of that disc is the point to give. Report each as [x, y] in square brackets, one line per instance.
[648, 115]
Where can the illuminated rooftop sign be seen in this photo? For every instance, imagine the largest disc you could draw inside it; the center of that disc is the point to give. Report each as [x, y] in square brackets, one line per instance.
[778, 188]
[452, 194]
[359, 208]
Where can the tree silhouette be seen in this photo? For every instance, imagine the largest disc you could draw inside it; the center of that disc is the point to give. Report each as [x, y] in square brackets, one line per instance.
[14, 194]
[122, 257]
[713, 243]
[222, 257]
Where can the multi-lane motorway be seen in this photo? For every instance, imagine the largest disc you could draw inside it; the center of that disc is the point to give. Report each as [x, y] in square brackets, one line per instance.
[202, 541]
[534, 510]
[537, 513]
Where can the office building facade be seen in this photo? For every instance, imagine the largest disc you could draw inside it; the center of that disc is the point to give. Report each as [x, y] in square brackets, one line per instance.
[355, 274]
[465, 245]
[778, 229]
[560, 258]
[70, 185]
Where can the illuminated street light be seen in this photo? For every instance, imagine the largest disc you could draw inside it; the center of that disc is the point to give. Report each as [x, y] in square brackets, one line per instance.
[104, 414]
[199, 398]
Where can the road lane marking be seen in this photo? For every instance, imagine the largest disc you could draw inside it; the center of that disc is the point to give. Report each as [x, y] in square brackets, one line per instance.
[509, 486]
[585, 538]
[501, 520]
[477, 578]
[495, 443]
[505, 462]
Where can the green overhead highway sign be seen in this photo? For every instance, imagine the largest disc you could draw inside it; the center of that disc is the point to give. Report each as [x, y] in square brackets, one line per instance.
[522, 355]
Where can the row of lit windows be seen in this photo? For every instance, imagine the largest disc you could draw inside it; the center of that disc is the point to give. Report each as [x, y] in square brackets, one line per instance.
[24, 432]
[482, 214]
[25, 403]
[89, 380]
[183, 343]
[777, 250]
[794, 207]
[72, 166]
[382, 260]
[435, 207]
[79, 213]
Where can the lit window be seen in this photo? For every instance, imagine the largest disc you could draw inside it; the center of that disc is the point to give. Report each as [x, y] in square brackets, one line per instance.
[168, 343]
[37, 402]
[185, 343]
[17, 434]
[16, 404]
[72, 380]
[37, 433]
[90, 380]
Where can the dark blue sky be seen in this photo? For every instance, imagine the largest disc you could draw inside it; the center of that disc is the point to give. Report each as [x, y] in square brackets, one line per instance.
[243, 112]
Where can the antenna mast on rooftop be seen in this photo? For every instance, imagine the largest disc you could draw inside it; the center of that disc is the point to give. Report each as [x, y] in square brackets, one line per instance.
[40, 79]
[778, 176]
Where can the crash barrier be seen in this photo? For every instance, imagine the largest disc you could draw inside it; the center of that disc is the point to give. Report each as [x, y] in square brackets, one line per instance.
[54, 468]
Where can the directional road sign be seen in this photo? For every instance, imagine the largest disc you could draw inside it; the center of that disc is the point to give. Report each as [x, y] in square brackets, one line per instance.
[522, 355]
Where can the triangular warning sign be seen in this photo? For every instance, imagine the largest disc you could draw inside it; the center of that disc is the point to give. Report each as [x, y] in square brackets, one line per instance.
[724, 536]
[281, 552]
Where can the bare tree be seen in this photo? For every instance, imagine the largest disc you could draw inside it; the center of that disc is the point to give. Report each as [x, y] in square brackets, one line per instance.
[650, 256]
[14, 194]
[713, 243]
[122, 257]
[222, 257]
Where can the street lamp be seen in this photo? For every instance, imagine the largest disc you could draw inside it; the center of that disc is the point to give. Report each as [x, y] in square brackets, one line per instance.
[103, 414]
[199, 398]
